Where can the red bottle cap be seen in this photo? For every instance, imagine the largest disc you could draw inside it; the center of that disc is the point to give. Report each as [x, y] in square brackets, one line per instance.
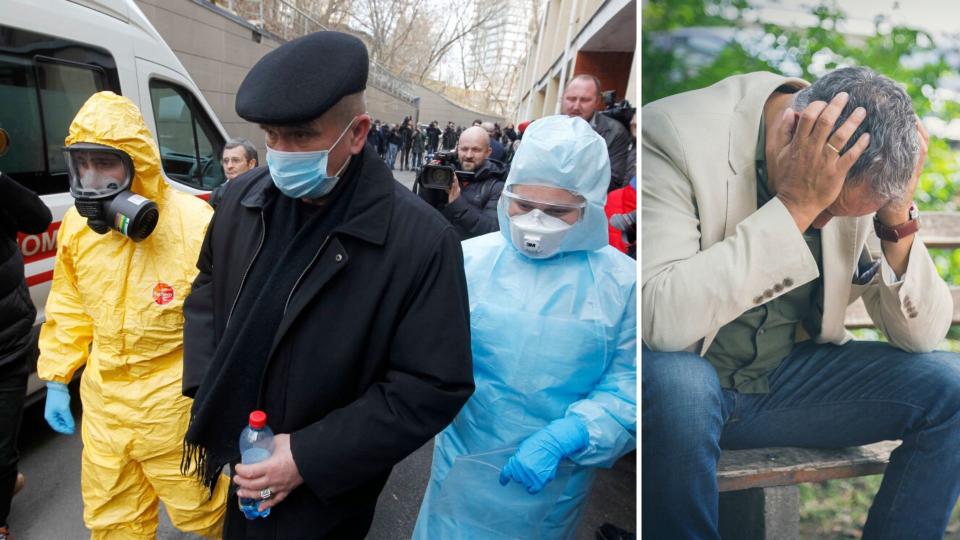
[258, 419]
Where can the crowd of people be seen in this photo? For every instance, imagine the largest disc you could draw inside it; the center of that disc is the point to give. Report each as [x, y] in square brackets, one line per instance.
[362, 317]
[413, 142]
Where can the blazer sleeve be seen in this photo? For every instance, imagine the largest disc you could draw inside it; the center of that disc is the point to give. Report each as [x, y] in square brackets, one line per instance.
[199, 331]
[429, 378]
[687, 292]
[66, 334]
[915, 312]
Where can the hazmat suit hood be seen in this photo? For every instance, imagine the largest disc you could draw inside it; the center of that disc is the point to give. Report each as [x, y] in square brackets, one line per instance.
[114, 121]
[564, 152]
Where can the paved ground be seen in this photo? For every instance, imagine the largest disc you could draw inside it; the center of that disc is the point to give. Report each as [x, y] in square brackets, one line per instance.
[50, 505]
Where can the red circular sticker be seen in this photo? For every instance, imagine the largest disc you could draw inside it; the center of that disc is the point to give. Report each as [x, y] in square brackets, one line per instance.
[162, 293]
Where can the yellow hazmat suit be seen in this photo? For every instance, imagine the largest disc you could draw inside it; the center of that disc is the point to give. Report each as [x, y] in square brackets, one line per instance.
[116, 306]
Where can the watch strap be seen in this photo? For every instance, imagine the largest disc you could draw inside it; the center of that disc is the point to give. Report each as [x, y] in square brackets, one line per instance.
[895, 233]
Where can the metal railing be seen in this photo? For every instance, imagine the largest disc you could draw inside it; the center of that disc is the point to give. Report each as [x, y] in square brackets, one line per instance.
[287, 22]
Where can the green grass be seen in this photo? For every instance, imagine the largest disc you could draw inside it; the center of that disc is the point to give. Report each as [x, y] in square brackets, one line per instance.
[837, 509]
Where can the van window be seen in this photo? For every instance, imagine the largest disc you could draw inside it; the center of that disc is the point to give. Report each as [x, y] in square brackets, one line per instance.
[190, 145]
[64, 88]
[40, 97]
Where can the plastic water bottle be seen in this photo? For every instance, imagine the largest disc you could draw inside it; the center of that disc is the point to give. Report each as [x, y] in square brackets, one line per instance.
[256, 445]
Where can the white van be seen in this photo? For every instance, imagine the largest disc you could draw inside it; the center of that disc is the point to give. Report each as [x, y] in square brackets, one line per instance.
[54, 54]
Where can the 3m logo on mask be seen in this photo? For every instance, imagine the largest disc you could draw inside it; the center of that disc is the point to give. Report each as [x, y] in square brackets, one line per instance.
[538, 235]
[162, 293]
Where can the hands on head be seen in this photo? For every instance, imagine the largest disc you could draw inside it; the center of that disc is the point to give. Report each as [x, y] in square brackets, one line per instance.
[810, 160]
[810, 166]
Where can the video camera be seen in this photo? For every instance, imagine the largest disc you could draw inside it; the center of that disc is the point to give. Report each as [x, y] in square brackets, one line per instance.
[620, 111]
[440, 175]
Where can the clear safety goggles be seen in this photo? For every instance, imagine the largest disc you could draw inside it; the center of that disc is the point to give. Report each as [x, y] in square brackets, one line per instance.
[97, 171]
[521, 204]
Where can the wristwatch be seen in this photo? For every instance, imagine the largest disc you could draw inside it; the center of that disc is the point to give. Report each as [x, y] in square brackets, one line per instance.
[893, 234]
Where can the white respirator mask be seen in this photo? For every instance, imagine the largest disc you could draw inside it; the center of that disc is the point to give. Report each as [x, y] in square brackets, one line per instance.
[537, 235]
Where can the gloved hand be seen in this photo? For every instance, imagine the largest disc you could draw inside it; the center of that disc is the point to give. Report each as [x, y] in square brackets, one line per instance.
[538, 457]
[56, 411]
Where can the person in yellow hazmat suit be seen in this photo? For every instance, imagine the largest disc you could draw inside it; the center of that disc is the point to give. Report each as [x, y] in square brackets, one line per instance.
[126, 258]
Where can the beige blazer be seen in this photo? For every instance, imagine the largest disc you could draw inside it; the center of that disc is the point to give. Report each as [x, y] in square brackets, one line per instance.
[709, 254]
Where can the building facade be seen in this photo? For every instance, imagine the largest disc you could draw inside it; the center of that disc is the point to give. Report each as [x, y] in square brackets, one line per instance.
[596, 37]
[497, 48]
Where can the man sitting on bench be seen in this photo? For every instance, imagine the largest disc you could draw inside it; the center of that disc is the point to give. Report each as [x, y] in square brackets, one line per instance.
[759, 193]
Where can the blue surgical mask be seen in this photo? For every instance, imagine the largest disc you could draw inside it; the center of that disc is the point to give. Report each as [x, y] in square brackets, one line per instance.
[303, 175]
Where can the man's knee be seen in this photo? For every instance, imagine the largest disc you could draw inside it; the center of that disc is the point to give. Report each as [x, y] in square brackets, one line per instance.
[126, 519]
[681, 393]
[193, 510]
[940, 375]
[679, 378]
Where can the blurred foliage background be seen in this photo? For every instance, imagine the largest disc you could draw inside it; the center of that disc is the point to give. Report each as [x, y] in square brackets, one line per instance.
[690, 44]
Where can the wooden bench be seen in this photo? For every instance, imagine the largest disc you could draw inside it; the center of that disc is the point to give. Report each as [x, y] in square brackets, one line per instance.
[759, 497]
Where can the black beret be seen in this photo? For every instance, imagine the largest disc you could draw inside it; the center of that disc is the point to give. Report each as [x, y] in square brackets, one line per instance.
[301, 79]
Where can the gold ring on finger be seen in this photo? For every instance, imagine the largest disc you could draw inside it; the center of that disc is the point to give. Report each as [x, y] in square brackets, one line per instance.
[834, 148]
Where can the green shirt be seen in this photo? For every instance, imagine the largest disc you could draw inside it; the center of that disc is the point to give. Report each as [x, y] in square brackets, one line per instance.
[749, 348]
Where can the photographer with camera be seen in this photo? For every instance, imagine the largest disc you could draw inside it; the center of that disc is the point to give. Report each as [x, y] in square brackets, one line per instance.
[465, 186]
[582, 97]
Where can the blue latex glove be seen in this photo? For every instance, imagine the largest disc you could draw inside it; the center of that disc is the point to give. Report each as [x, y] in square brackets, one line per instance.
[539, 455]
[56, 411]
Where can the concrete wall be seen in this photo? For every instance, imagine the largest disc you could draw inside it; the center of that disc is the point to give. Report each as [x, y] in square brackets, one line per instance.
[218, 51]
[434, 106]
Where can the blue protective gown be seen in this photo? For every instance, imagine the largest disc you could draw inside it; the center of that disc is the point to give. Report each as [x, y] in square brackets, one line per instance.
[550, 338]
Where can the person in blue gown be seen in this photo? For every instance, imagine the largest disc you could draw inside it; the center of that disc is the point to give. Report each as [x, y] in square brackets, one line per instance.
[553, 332]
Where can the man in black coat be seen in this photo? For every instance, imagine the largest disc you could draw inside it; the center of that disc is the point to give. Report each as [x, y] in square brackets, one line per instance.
[433, 137]
[450, 137]
[330, 297]
[21, 210]
[374, 138]
[470, 205]
[405, 131]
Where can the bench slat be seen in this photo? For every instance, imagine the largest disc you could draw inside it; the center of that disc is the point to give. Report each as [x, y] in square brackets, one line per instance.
[767, 467]
[940, 229]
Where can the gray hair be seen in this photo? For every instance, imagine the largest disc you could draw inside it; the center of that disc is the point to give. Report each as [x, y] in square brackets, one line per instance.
[888, 162]
[248, 148]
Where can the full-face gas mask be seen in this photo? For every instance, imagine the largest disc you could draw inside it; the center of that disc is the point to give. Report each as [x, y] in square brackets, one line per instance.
[100, 180]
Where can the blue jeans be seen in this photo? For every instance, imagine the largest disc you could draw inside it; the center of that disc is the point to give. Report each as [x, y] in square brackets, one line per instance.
[392, 155]
[820, 396]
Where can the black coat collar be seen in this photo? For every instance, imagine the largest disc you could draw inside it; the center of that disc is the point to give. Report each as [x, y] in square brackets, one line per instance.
[371, 207]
